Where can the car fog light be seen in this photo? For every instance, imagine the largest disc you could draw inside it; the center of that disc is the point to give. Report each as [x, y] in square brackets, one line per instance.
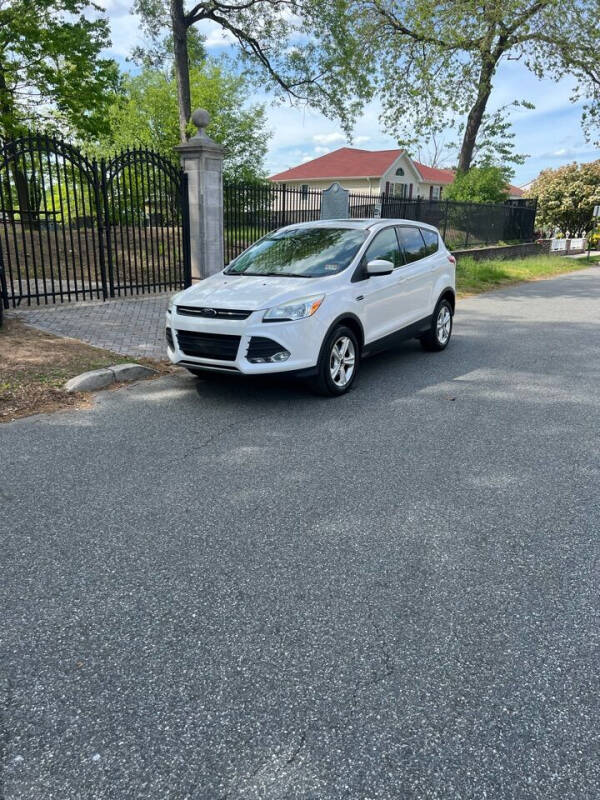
[281, 355]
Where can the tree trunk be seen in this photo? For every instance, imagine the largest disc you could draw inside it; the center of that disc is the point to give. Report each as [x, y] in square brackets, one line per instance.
[9, 131]
[476, 116]
[22, 188]
[182, 66]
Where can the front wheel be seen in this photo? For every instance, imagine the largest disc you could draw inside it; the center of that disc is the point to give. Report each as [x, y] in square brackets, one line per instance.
[438, 336]
[338, 364]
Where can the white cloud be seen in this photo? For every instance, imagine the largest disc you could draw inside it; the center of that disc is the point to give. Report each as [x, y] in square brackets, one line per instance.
[361, 139]
[321, 150]
[114, 8]
[215, 35]
[329, 138]
[125, 34]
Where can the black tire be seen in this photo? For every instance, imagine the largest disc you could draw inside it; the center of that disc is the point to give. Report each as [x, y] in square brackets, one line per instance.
[324, 383]
[434, 340]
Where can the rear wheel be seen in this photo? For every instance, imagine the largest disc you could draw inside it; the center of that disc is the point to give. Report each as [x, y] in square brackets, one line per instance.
[438, 336]
[338, 364]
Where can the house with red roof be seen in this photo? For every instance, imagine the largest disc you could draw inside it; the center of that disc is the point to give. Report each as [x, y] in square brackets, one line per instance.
[390, 172]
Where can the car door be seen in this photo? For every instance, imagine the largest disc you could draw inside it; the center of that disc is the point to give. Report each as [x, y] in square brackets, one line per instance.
[418, 273]
[381, 294]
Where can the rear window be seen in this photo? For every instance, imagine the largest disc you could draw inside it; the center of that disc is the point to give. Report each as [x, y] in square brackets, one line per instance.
[412, 243]
[431, 241]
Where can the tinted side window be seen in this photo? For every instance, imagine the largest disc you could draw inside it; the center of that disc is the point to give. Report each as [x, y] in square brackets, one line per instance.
[385, 245]
[431, 241]
[412, 243]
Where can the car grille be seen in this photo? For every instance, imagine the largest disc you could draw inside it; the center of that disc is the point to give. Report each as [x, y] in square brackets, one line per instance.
[169, 335]
[213, 313]
[208, 345]
[261, 347]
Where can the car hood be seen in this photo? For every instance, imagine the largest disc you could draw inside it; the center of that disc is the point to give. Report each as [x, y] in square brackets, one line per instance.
[248, 292]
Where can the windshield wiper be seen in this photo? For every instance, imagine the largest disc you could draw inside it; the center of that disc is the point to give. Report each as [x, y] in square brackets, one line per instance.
[270, 274]
[285, 275]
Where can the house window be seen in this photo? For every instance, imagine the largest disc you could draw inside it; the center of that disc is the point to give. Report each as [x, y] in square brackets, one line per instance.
[304, 189]
[400, 171]
[399, 189]
[435, 193]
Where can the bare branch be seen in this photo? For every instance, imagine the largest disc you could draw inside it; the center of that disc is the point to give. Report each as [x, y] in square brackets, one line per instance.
[246, 40]
[399, 27]
[527, 14]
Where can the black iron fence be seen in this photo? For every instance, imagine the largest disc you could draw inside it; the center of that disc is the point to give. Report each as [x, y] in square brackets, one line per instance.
[74, 228]
[251, 211]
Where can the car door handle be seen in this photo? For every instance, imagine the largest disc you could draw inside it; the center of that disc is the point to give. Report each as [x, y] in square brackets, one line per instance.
[360, 297]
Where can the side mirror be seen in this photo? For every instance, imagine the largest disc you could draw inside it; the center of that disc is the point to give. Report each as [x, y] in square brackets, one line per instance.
[379, 266]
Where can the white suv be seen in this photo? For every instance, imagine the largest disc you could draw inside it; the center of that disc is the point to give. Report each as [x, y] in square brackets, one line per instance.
[311, 299]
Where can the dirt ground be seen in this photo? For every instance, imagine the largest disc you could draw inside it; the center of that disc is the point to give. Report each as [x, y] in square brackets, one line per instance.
[34, 366]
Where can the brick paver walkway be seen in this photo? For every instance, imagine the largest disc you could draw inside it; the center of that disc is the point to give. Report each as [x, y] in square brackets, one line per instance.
[131, 327]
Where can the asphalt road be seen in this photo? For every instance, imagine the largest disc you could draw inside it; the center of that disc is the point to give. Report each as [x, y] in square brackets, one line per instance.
[216, 589]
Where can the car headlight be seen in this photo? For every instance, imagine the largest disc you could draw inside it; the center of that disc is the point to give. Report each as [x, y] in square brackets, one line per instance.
[296, 309]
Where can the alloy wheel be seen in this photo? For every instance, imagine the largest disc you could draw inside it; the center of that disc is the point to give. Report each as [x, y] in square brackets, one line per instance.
[443, 325]
[342, 361]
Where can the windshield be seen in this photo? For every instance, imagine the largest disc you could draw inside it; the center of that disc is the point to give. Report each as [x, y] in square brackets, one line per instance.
[300, 252]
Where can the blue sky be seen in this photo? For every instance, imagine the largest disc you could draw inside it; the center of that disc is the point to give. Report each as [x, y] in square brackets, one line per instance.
[551, 134]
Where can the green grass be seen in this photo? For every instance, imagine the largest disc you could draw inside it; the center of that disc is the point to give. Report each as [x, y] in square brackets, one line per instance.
[473, 276]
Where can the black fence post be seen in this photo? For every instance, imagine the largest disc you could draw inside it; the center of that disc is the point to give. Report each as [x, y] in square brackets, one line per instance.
[3, 287]
[107, 224]
[445, 219]
[100, 227]
[185, 231]
[283, 204]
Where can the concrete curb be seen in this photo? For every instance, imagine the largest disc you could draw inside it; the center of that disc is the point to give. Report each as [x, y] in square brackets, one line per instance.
[101, 378]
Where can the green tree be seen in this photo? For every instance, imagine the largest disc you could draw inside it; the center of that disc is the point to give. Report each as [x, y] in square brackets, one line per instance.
[495, 144]
[566, 197]
[51, 72]
[479, 185]
[272, 43]
[440, 58]
[51, 75]
[145, 113]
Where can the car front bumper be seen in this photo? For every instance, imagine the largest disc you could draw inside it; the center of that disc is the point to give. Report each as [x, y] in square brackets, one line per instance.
[301, 338]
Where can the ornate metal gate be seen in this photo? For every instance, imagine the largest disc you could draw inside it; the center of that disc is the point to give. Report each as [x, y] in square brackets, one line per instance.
[73, 228]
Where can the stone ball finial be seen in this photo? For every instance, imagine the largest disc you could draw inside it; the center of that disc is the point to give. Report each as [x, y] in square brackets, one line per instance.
[201, 119]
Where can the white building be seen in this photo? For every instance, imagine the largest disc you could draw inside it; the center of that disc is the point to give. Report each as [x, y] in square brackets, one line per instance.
[391, 172]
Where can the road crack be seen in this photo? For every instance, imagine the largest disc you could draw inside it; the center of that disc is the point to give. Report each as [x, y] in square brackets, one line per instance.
[223, 431]
[273, 775]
